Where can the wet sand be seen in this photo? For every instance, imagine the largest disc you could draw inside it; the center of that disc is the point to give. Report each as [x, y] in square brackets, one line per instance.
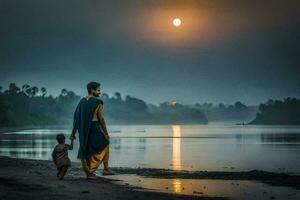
[270, 178]
[35, 179]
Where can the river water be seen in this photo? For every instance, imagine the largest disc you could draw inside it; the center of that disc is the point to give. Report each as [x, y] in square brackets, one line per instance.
[221, 146]
[212, 147]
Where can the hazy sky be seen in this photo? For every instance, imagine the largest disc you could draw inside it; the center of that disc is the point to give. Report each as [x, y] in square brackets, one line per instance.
[224, 51]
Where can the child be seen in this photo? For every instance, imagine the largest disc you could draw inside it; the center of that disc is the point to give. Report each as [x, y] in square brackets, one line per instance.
[60, 156]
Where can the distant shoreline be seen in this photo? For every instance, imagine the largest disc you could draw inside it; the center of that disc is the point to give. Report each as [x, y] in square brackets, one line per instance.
[30, 127]
[33, 127]
[26, 127]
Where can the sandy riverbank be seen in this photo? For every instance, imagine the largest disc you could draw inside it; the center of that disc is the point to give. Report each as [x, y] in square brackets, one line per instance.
[269, 178]
[35, 179]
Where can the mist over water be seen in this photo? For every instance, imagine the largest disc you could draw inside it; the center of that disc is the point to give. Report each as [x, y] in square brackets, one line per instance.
[220, 147]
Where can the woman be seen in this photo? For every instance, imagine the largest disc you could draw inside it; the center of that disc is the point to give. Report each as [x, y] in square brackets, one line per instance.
[93, 135]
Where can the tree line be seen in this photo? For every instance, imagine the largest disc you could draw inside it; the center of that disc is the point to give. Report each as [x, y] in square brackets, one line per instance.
[32, 105]
[286, 112]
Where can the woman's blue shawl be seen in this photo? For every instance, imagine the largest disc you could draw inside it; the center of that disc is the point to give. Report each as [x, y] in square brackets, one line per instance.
[91, 136]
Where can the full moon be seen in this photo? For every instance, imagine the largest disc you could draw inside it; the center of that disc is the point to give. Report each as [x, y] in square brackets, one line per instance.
[176, 22]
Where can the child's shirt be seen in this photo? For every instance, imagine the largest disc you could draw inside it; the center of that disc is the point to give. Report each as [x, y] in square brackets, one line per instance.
[60, 155]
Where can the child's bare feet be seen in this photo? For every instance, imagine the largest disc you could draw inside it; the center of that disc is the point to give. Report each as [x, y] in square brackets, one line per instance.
[62, 172]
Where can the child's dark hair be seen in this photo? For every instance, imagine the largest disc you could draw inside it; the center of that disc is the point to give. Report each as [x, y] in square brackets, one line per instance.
[60, 138]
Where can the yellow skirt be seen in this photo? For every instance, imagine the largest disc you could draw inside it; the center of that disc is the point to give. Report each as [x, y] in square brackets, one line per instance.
[91, 164]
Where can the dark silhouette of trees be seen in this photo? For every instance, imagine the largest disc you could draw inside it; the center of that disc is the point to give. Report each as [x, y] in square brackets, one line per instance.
[178, 113]
[34, 91]
[13, 88]
[222, 112]
[286, 112]
[64, 92]
[221, 106]
[23, 106]
[136, 111]
[44, 91]
[25, 87]
[118, 96]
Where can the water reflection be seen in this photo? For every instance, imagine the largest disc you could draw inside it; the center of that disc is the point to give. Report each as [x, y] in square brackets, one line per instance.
[27, 147]
[246, 190]
[117, 144]
[178, 147]
[177, 185]
[291, 138]
[176, 161]
[176, 156]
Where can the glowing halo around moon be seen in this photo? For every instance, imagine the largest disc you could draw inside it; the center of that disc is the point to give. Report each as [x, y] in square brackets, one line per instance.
[176, 22]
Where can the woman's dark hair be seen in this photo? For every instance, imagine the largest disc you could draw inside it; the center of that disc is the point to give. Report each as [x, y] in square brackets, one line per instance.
[60, 138]
[92, 85]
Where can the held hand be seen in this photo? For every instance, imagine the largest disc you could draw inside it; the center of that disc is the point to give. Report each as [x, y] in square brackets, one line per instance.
[72, 136]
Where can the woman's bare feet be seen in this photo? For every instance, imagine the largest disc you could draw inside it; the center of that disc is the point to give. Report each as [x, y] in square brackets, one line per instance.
[107, 172]
[91, 177]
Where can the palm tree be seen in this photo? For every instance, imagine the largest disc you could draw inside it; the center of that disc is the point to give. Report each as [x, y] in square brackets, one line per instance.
[34, 91]
[64, 92]
[28, 91]
[239, 105]
[118, 96]
[25, 87]
[13, 88]
[44, 91]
